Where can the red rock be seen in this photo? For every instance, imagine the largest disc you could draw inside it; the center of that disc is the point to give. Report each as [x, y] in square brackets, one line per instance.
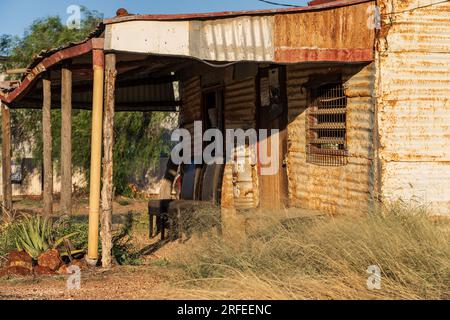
[50, 259]
[79, 263]
[20, 259]
[15, 272]
[43, 271]
[63, 269]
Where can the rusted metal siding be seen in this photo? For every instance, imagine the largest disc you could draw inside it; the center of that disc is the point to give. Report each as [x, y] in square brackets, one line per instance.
[240, 104]
[191, 96]
[191, 110]
[240, 113]
[130, 97]
[413, 102]
[332, 189]
[49, 59]
[337, 32]
[229, 14]
[227, 187]
[300, 36]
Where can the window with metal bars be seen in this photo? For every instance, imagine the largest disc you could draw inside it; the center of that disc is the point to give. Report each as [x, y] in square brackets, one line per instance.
[326, 125]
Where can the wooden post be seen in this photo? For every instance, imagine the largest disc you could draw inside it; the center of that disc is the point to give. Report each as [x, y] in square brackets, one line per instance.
[47, 146]
[6, 159]
[108, 143]
[66, 141]
[96, 154]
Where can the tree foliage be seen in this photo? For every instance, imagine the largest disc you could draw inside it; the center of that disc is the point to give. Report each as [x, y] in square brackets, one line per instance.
[44, 34]
[140, 139]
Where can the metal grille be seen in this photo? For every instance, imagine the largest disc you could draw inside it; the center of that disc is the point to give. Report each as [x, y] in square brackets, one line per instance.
[326, 126]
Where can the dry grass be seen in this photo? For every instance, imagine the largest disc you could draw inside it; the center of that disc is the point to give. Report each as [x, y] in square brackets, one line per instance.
[325, 258]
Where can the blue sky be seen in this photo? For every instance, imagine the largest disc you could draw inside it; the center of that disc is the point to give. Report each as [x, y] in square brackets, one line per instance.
[16, 15]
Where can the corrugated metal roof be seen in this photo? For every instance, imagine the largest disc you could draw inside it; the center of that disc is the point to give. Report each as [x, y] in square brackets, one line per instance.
[46, 60]
[47, 53]
[340, 33]
[229, 14]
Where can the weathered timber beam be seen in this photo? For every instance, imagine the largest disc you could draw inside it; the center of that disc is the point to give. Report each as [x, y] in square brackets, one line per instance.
[6, 159]
[66, 141]
[108, 142]
[47, 147]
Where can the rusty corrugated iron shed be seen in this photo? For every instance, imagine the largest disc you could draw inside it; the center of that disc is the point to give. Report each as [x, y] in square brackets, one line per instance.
[332, 32]
[271, 42]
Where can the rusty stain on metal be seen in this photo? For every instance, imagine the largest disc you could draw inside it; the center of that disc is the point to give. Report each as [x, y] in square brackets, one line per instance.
[332, 189]
[44, 64]
[240, 113]
[341, 34]
[413, 89]
[396, 81]
[322, 33]
[228, 14]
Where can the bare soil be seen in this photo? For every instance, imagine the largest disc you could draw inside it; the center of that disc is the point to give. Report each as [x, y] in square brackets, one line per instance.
[149, 281]
[119, 283]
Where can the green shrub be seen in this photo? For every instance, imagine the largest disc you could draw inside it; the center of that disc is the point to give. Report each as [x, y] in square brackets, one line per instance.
[68, 225]
[35, 235]
[124, 250]
[8, 234]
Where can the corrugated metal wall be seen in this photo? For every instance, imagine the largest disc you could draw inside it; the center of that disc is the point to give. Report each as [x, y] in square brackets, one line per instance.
[239, 190]
[191, 94]
[240, 113]
[240, 104]
[333, 189]
[414, 106]
[191, 111]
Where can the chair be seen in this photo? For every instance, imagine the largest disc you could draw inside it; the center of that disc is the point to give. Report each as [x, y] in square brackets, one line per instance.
[205, 195]
[156, 208]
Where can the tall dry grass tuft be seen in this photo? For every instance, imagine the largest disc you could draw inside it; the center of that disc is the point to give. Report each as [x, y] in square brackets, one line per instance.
[325, 258]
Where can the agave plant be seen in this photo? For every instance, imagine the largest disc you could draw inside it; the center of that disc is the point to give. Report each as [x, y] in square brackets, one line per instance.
[34, 235]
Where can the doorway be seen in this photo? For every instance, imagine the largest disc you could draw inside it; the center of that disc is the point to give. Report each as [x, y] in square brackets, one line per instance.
[272, 113]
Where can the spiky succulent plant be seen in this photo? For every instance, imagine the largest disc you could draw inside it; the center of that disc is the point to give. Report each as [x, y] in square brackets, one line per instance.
[34, 236]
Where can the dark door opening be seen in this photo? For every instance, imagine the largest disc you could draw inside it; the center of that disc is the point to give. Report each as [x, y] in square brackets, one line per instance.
[272, 113]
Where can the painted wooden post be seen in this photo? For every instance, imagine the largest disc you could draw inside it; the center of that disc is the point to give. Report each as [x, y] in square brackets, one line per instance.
[47, 146]
[6, 159]
[66, 141]
[108, 143]
[96, 154]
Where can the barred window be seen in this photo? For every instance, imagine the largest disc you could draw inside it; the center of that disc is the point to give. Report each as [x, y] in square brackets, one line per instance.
[326, 125]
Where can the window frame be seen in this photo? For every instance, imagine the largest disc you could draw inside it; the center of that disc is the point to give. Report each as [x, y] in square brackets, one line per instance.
[336, 156]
